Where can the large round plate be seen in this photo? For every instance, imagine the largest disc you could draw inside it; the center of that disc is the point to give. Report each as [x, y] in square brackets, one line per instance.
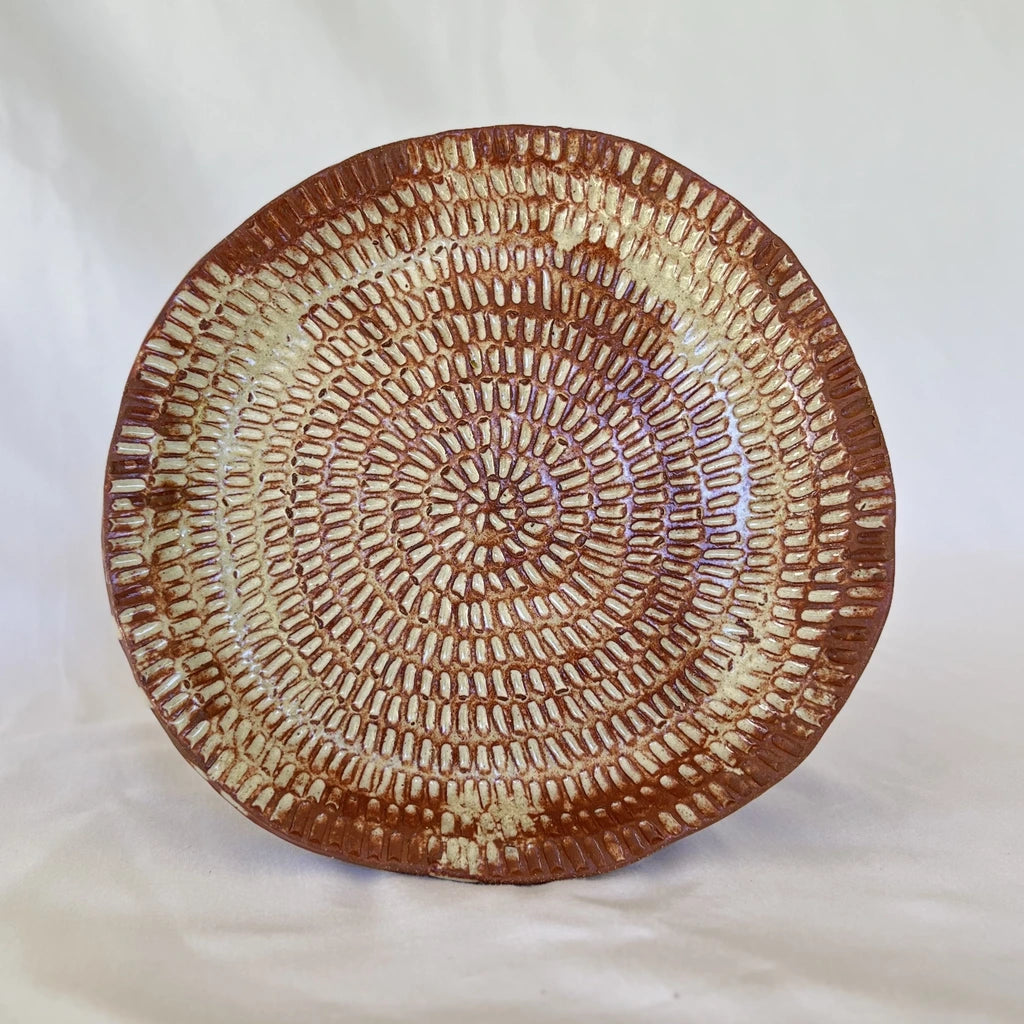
[499, 505]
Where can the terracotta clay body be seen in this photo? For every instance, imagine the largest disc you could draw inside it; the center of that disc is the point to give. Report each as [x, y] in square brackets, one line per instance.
[499, 505]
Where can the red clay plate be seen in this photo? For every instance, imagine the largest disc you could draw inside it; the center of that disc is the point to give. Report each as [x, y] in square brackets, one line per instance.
[500, 505]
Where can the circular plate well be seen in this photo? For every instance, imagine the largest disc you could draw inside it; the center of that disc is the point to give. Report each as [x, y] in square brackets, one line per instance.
[499, 505]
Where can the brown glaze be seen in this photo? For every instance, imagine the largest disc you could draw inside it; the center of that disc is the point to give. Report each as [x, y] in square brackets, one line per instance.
[499, 505]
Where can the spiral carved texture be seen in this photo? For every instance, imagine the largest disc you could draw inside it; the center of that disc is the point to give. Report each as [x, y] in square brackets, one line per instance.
[499, 505]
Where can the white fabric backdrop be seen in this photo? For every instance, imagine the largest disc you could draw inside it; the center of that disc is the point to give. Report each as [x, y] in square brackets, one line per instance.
[881, 881]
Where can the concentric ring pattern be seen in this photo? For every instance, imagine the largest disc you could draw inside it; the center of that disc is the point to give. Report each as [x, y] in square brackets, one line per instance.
[499, 505]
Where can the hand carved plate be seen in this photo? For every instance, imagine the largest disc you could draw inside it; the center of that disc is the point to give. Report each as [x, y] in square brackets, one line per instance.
[499, 505]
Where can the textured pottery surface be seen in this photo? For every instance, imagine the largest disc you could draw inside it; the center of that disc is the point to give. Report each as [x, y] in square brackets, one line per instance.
[499, 505]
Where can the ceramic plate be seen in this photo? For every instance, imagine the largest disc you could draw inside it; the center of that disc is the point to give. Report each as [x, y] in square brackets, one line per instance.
[499, 505]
